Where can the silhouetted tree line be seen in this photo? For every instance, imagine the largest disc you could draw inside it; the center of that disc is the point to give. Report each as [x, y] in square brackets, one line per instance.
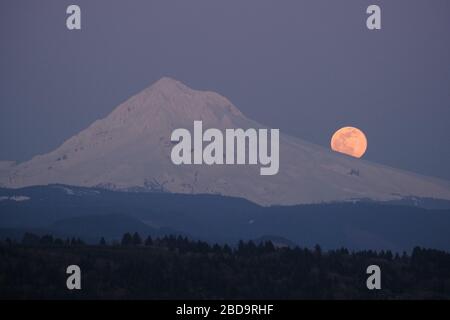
[175, 267]
[30, 239]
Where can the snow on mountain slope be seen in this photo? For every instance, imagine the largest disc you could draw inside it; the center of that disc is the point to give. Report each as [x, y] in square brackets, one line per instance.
[130, 150]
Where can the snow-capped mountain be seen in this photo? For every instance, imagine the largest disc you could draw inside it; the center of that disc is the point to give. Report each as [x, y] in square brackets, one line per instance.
[130, 150]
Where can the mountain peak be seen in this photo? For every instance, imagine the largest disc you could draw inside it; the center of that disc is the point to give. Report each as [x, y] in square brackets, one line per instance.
[173, 96]
[167, 84]
[130, 150]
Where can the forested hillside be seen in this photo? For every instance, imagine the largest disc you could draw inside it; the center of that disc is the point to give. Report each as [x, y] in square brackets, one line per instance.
[175, 267]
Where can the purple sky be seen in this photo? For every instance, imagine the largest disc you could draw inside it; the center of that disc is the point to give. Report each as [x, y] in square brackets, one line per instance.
[306, 67]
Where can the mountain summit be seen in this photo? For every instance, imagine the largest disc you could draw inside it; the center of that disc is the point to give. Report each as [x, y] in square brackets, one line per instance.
[130, 150]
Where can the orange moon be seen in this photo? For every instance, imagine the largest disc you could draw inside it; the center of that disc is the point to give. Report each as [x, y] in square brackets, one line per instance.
[350, 141]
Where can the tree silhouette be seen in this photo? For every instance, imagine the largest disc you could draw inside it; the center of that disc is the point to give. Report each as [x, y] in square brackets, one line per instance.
[149, 241]
[127, 239]
[137, 241]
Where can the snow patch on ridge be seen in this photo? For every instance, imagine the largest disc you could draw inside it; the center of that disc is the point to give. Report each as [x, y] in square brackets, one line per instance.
[15, 198]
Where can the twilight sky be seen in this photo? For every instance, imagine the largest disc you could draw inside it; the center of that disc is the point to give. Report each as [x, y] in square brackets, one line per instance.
[307, 67]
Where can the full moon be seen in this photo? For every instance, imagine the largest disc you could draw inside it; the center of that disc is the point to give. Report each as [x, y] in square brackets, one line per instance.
[349, 140]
